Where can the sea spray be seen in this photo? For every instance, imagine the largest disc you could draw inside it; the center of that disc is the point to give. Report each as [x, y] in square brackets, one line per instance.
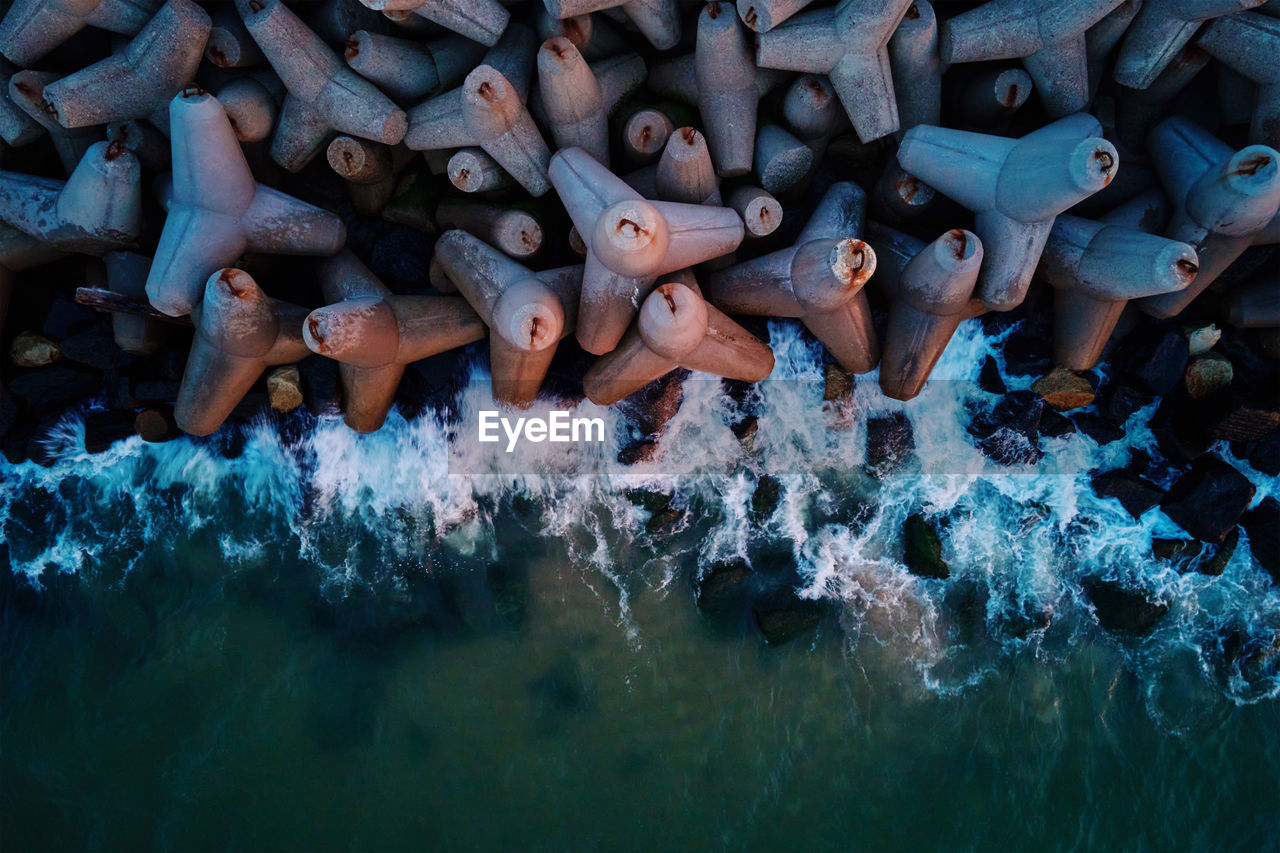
[370, 513]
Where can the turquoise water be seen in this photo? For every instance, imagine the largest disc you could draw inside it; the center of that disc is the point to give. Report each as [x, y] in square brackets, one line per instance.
[305, 639]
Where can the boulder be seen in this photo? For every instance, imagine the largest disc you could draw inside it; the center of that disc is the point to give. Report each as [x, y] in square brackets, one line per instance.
[765, 498]
[8, 411]
[284, 387]
[922, 549]
[1136, 494]
[157, 390]
[33, 350]
[1207, 374]
[643, 450]
[96, 348]
[1264, 454]
[1158, 366]
[723, 583]
[156, 424]
[1097, 427]
[890, 442]
[989, 378]
[1064, 389]
[1262, 525]
[1123, 610]
[745, 429]
[781, 615]
[104, 428]
[1208, 500]
[67, 317]
[1120, 401]
[1027, 354]
[50, 389]
[321, 388]
[1055, 425]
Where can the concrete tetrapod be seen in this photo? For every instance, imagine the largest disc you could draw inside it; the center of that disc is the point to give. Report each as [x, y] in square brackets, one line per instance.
[819, 280]
[26, 90]
[324, 95]
[850, 45]
[479, 20]
[1015, 187]
[676, 328]
[590, 33]
[932, 299]
[240, 332]
[97, 209]
[727, 94]
[488, 111]
[32, 28]
[140, 80]
[917, 67]
[764, 15]
[1223, 201]
[407, 70]
[1095, 269]
[630, 242]
[571, 99]
[217, 211]
[1250, 43]
[1159, 32]
[127, 274]
[527, 313]
[1047, 35]
[373, 334]
[685, 173]
[659, 20]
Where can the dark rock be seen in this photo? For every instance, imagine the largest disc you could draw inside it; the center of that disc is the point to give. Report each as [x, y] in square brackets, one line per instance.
[1120, 401]
[1208, 500]
[1207, 375]
[890, 442]
[1055, 425]
[8, 411]
[1136, 494]
[1264, 454]
[1262, 524]
[765, 498]
[1098, 428]
[1176, 550]
[656, 403]
[156, 424]
[1215, 562]
[1027, 354]
[922, 549]
[744, 429]
[1159, 367]
[638, 451]
[402, 257]
[67, 317]
[966, 603]
[724, 583]
[1019, 411]
[782, 615]
[649, 500]
[1120, 609]
[1181, 429]
[54, 388]
[321, 386]
[102, 429]
[989, 378]
[157, 390]
[96, 349]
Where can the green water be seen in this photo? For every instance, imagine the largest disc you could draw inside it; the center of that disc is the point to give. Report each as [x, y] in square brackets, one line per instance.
[197, 705]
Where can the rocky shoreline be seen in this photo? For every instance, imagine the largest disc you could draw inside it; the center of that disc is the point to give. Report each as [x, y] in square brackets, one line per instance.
[1210, 368]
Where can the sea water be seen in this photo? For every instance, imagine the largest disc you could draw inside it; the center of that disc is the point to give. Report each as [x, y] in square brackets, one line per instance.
[294, 636]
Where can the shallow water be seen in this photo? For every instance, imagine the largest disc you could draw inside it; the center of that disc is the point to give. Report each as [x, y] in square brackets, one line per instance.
[301, 638]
